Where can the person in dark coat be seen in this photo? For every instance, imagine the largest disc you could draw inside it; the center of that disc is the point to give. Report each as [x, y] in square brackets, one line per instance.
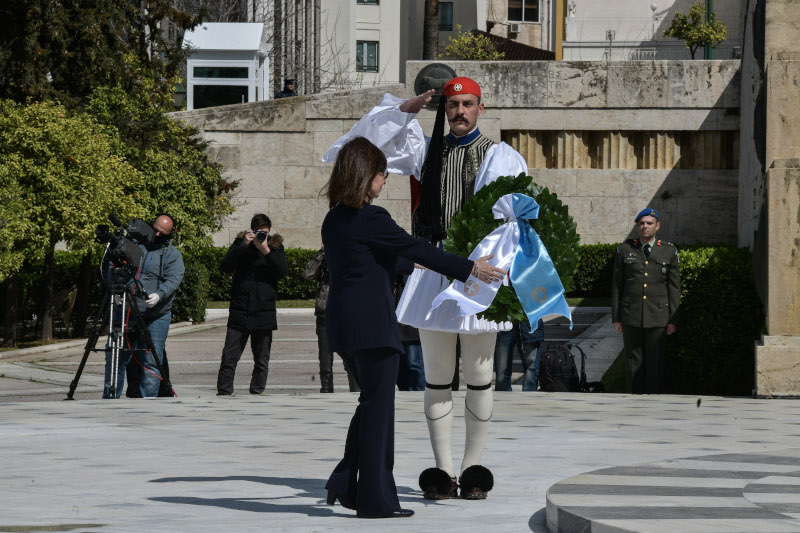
[317, 270]
[362, 246]
[257, 261]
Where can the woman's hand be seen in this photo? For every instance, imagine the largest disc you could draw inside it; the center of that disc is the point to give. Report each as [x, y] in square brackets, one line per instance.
[485, 272]
[415, 105]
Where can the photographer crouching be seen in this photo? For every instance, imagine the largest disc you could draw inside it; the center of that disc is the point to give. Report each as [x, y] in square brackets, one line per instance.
[257, 261]
[154, 284]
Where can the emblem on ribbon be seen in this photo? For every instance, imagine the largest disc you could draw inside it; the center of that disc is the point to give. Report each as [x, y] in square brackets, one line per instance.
[471, 288]
[539, 295]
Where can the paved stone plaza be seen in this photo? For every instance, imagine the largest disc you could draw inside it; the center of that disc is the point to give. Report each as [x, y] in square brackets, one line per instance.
[245, 463]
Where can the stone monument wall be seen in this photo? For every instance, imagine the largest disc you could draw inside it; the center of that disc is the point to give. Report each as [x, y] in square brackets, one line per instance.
[610, 138]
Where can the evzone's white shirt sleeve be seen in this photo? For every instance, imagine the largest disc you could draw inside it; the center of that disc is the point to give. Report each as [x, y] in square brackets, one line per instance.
[500, 160]
[397, 134]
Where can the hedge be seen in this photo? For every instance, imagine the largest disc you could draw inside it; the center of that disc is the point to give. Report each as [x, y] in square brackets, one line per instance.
[721, 314]
[720, 319]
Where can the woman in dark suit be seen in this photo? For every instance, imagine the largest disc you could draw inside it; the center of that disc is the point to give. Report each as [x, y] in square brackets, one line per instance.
[362, 245]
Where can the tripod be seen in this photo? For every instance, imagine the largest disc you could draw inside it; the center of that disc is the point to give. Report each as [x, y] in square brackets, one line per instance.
[112, 312]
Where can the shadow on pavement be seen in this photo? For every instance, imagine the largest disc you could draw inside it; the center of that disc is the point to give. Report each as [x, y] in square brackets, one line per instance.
[311, 488]
[538, 521]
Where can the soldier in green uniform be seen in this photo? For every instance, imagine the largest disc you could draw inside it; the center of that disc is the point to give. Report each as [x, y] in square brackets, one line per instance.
[645, 297]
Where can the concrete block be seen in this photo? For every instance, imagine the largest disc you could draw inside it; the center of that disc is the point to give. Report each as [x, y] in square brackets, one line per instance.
[287, 114]
[718, 183]
[783, 126]
[561, 181]
[264, 181]
[223, 137]
[576, 84]
[298, 149]
[325, 125]
[351, 104]
[701, 84]
[304, 182]
[323, 140]
[783, 261]
[246, 207]
[643, 184]
[638, 84]
[295, 237]
[777, 366]
[297, 213]
[532, 119]
[397, 188]
[508, 84]
[261, 148]
[227, 155]
[612, 119]
[599, 183]
[490, 128]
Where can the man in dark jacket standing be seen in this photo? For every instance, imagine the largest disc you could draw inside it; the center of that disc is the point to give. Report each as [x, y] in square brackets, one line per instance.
[645, 297]
[257, 261]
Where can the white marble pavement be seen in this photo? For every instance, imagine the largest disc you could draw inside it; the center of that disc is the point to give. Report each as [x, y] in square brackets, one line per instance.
[201, 463]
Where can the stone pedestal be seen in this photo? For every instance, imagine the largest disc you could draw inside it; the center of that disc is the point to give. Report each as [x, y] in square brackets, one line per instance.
[778, 366]
[778, 354]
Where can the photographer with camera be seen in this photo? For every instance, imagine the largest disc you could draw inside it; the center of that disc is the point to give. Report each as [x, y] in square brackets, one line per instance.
[257, 261]
[154, 284]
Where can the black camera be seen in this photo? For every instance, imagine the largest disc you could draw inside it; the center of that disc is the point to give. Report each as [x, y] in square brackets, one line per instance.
[261, 235]
[123, 249]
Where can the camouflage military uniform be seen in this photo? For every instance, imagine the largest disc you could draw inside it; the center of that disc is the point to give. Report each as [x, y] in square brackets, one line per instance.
[645, 297]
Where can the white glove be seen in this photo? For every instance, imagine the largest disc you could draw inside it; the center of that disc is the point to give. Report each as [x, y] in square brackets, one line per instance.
[153, 300]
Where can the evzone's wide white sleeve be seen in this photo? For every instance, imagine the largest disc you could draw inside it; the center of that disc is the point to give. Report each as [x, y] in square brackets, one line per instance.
[500, 160]
[397, 134]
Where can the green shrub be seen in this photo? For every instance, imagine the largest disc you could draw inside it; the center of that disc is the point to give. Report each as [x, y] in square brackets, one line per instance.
[191, 297]
[293, 286]
[595, 270]
[219, 282]
[720, 318]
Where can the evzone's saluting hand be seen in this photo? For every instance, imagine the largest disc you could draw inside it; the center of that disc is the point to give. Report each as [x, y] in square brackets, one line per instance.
[415, 105]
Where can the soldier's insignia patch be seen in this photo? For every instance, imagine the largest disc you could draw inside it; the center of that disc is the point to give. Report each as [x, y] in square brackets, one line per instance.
[663, 270]
[457, 87]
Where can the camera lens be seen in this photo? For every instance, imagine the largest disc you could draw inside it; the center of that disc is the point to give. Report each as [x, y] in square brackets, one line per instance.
[261, 236]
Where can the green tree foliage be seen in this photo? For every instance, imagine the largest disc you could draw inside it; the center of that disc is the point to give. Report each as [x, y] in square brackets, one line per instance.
[62, 176]
[471, 47]
[64, 49]
[178, 177]
[695, 30]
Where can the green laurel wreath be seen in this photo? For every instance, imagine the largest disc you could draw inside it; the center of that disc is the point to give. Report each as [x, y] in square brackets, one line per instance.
[555, 227]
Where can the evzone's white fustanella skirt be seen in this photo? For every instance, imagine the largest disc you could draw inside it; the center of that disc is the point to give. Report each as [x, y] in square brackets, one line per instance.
[415, 303]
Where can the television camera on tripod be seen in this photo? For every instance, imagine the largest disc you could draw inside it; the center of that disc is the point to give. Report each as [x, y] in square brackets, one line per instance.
[125, 259]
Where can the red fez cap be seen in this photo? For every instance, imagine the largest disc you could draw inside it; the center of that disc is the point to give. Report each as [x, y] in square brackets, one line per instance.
[461, 85]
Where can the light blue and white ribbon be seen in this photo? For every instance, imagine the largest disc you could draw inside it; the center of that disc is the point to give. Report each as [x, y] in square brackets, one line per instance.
[516, 246]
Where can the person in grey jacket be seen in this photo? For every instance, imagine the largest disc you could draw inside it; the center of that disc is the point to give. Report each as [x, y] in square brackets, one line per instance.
[160, 275]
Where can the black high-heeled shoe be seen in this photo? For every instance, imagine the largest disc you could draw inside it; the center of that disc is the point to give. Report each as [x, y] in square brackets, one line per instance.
[401, 513]
[333, 496]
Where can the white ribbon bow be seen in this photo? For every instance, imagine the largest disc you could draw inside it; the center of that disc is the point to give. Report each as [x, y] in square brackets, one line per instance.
[474, 296]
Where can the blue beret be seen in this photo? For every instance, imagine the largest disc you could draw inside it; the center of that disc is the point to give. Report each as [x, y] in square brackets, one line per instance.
[649, 212]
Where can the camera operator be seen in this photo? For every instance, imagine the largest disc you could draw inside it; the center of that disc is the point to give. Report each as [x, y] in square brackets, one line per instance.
[257, 261]
[155, 285]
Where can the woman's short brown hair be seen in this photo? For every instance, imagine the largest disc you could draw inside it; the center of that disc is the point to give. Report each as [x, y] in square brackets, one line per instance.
[356, 165]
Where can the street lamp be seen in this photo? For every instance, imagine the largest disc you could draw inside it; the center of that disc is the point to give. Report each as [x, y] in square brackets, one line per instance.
[179, 96]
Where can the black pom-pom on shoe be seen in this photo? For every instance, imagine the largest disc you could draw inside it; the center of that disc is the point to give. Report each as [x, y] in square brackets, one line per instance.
[476, 481]
[436, 484]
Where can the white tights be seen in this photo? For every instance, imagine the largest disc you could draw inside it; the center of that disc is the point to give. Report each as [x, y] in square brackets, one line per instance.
[477, 357]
